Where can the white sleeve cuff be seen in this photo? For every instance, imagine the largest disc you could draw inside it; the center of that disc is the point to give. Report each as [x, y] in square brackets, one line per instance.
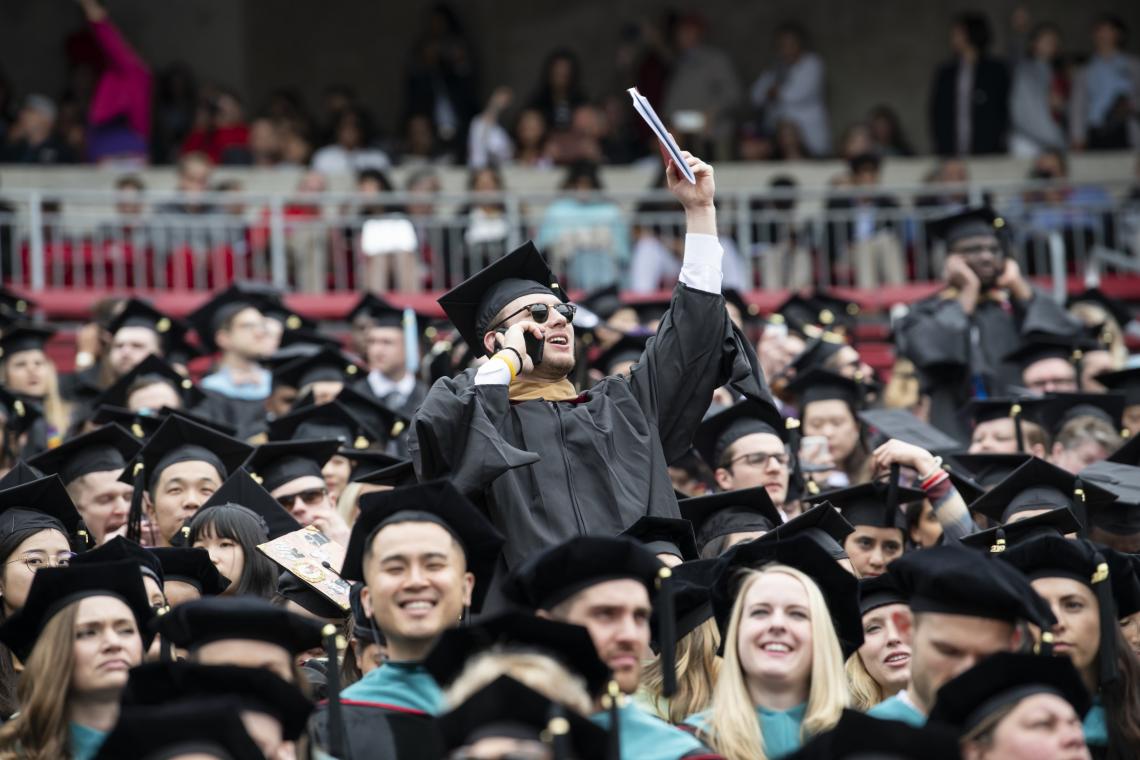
[701, 268]
[494, 372]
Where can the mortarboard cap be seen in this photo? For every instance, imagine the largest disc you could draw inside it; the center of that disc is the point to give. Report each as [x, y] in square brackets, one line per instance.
[823, 524]
[1117, 309]
[197, 728]
[691, 583]
[1129, 453]
[987, 470]
[879, 591]
[24, 337]
[331, 420]
[748, 510]
[969, 222]
[373, 413]
[180, 440]
[294, 588]
[860, 737]
[53, 588]
[279, 462]
[866, 503]
[151, 369]
[105, 449]
[820, 385]
[906, 427]
[436, 502]
[1039, 346]
[171, 332]
[191, 566]
[1038, 485]
[1126, 381]
[378, 310]
[1120, 517]
[402, 473]
[20, 475]
[474, 303]
[39, 504]
[957, 580]
[1055, 522]
[834, 312]
[983, 410]
[326, 365]
[719, 431]
[242, 489]
[1057, 409]
[1002, 680]
[15, 302]
[221, 618]
[19, 415]
[628, 349]
[208, 318]
[658, 533]
[817, 351]
[748, 310]
[119, 549]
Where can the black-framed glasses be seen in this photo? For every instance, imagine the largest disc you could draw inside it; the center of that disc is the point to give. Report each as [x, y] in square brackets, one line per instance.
[311, 497]
[34, 560]
[540, 312]
[760, 458]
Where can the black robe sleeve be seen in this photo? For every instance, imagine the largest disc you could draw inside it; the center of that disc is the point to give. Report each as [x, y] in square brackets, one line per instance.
[935, 334]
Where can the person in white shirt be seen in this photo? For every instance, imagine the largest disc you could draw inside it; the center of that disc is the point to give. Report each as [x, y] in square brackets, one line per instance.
[793, 90]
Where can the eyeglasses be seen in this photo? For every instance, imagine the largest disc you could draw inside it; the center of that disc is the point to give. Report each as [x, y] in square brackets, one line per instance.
[978, 250]
[36, 559]
[760, 459]
[540, 312]
[311, 497]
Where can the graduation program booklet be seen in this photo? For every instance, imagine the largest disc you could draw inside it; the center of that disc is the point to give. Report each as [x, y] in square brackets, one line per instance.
[668, 144]
[304, 553]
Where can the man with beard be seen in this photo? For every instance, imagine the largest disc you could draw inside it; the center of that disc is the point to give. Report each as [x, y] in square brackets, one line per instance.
[547, 461]
[961, 338]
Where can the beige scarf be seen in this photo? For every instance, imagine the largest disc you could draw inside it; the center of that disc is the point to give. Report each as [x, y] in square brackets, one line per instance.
[523, 389]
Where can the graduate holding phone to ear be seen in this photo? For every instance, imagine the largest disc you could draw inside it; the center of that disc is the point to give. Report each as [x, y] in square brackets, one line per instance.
[551, 461]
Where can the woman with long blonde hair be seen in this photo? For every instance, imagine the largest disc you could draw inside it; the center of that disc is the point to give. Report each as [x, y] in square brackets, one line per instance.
[29, 374]
[881, 667]
[76, 658]
[782, 679]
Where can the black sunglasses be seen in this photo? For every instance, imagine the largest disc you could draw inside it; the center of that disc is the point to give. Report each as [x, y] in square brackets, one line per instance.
[540, 312]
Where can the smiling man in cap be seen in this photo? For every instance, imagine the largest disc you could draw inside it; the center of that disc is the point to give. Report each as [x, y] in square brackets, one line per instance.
[550, 462]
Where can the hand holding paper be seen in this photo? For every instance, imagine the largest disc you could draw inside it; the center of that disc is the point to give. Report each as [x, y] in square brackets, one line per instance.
[668, 144]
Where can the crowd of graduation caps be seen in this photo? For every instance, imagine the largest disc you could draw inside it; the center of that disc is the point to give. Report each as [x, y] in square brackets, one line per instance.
[978, 602]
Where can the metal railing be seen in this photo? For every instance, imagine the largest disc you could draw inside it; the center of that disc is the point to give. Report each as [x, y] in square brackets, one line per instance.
[304, 243]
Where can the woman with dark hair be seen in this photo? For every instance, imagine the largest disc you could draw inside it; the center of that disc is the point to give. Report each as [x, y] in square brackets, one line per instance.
[231, 533]
[560, 90]
[887, 132]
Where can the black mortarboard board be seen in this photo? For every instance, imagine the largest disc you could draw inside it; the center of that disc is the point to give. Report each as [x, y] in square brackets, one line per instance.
[628, 348]
[102, 450]
[119, 549]
[1055, 522]
[24, 337]
[294, 588]
[879, 591]
[1040, 485]
[382, 313]
[373, 413]
[654, 531]
[1129, 453]
[211, 727]
[256, 689]
[20, 475]
[691, 582]
[41, 503]
[325, 365]
[19, 415]
[242, 489]
[473, 304]
[395, 475]
[53, 588]
[834, 311]
[208, 318]
[437, 502]
[219, 618]
[719, 431]
[569, 644]
[276, 463]
[969, 222]
[820, 385]
[181, 440]
[558, 572]
[822, 524]
[817, 351]
[171, 332]
[1057, 409]
[15, 302]
[839, 587]
[860, 737]
[986, 470]
[140, 426]
[1119, 310]
[1038, 346]
[1121, 517]
[506, 707]
[1126, 381]
[906, 427]
[957, 580]
[331, 420]
[1000, 681]
[192, 566]
[721, 514]
[151, 367]
[866, 503]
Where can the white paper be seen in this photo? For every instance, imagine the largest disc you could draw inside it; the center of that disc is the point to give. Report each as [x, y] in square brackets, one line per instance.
[643, 107]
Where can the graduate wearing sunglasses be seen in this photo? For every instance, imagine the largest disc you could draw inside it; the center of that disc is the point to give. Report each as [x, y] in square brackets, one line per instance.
[551, 461]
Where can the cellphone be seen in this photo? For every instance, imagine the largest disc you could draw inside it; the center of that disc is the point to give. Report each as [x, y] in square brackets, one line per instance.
[812, 449]
[534, 346]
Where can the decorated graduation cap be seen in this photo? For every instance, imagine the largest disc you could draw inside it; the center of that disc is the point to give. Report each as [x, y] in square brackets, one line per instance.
[279, 462]
[839, 587]
[822, 524]
[1122, 516]
[242, 489]
[1056, 522]
[326, 365]
[970, 222]
[211, 316]
[957, 580]
[879, 591]
[1000, 681]
[747, 510]
[1126, 381]
[1058, 409]
[37, 505]
[628, 348]
[200, 727]
[255, 689]
[105, 449]
[570, 644]
[292, 587]
[507, 708]
[221, 618]
[473, 304]
[435, 502]
[24, 337]
[860, 737]
[661, 534]
[1038, 485]
[1086, 563]
[719, 431]
[191, 566]
[119, 549]
[151, 370]
[53, 588]
[874, 504]
[821, 385]
[906, 427]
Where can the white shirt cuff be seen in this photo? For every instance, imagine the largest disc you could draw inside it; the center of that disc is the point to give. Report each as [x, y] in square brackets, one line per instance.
[701, 268]
[494, 372]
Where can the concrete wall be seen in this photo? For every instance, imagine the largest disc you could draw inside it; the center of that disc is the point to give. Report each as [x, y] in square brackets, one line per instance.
[876, 51]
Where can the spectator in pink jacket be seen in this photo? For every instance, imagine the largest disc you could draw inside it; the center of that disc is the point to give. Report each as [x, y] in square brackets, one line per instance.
[119, 118]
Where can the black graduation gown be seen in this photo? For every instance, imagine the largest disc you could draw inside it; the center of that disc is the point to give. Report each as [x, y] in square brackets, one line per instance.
[547, 471]
[949, 348]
